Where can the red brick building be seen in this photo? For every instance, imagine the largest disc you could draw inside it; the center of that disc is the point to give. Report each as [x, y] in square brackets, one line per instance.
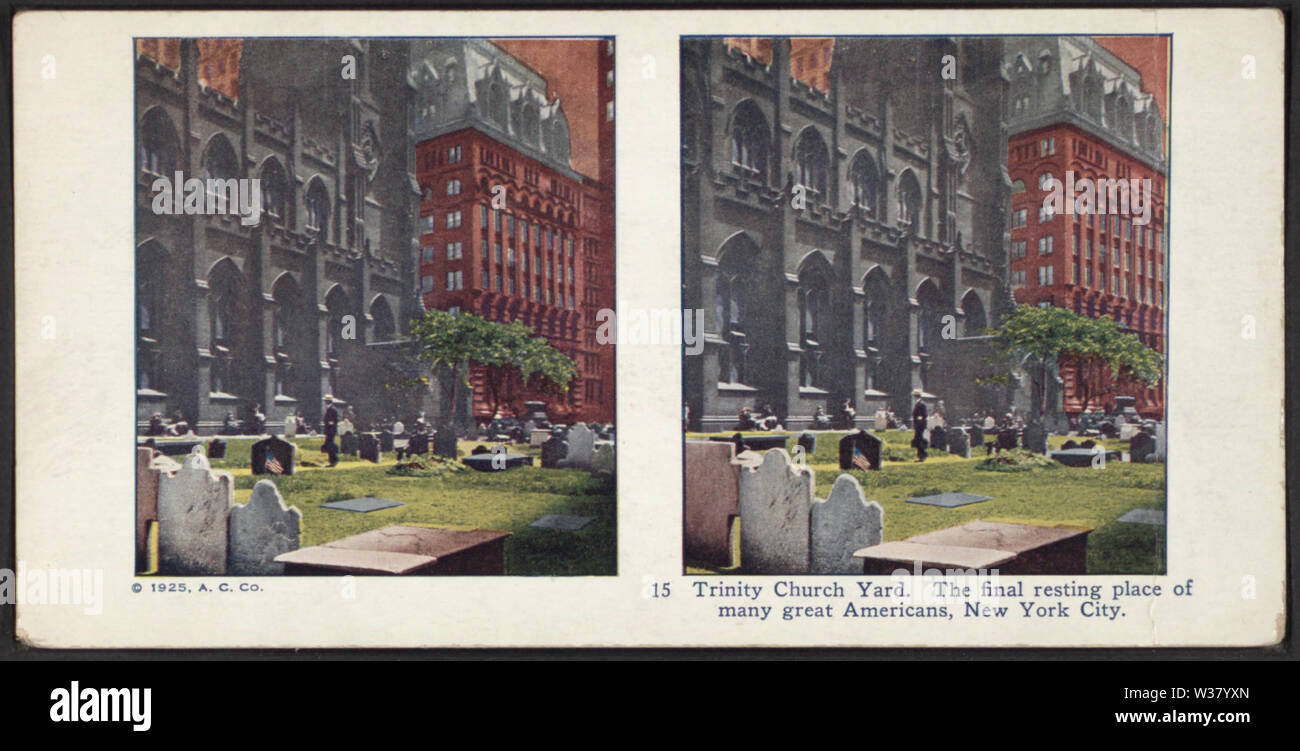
[507, 229]
[1080, 115]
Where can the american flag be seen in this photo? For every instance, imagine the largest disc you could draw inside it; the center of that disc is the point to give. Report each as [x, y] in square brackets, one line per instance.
[860, 460]
[273, 466]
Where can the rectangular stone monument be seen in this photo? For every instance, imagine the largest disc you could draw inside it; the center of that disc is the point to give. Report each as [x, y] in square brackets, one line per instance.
[602, 458]
[939, 438]
[582, 442]
[712, 502]
[881, 420]
[216, 449]
[958, 443]
[866, 443]
[274, 456]
[193, 505]
[1034, 438]
[387, 440]
[841, 525]
[1007, 439]
[1140, 446]
[538, 437]
[349, 443]
[444, 442]
[775, 504]
[260, 530]
[1013, 549]
[403, 549]
[368, 448]
[418, 444]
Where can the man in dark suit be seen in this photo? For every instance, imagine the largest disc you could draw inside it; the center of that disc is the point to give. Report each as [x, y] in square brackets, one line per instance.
[331, 424]
[919, 417]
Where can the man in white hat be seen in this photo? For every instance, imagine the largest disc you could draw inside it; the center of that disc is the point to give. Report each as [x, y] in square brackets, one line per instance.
[919, 414]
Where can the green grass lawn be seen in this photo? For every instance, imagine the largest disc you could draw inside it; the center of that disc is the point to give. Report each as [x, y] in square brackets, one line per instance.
[507, 501]
[1045, 497]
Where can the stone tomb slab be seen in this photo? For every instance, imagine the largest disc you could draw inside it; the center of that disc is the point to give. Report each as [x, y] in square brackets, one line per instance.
[563, 522]
[485, 462]
[362, 505]
[1034, 550]
[403, 549]
[1152, 516]
[950, 499]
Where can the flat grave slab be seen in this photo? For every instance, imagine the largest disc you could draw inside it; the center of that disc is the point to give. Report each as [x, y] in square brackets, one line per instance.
[1152, 516]
[1014, 549]
[563, 522]
[905, 554]
[1083, 457]
[362, 505]
[402, 549]
[950, 499]
[758, 442]
[483, 462]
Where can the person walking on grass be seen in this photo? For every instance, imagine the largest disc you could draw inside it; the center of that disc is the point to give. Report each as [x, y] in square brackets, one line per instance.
[919, 415]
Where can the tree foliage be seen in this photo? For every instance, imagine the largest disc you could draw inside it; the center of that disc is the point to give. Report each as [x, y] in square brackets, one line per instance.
[1106, 357]
[512, 356]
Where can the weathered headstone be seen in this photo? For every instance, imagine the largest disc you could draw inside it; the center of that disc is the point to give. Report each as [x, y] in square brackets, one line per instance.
[386, 439]
[581, 443]
[712, 500]
[290, 426]
[538, 437]
[938, 438]
[368, 448]
[1161, 446]
[260, 530]
[602, 459]
[841, 525]
[775, 503]
[146, 503]
[958, 443]
[444, 442]
[881, 420]
[976, 435]
[349, 444]
[193, 504]
[553, 452]
[346, 426]
[1034, 438]
[1007, 439]
[867, 444]
[418, 444]
[1140, 446]
[216, 449]
[807, 442]
[274, 456]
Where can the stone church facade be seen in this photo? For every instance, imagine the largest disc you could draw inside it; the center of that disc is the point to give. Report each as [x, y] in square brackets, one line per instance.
[310, 301]
[846, 243]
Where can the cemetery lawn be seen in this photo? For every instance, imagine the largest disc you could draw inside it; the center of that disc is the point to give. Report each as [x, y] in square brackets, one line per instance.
[1054, 496]
[508, 501]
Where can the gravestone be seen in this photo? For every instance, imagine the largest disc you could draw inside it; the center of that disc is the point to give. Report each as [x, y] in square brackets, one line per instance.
[1152, 516]
[146, 503]
[841, 525]
[581, 443]
[346, 426]
[553, 452]
[290, 426]
[1128, 430]
[1034, 438]
[1007, 439]
[864, 442]
[538, 437]
[807, 442]
[881, 420]
[563, 522]
[193, 504]
[1088, 444]
[529, 427]
[418, 444]
[1070, 444]
[260, 530]
[399, 428]
[976, 435]
[444, 442]
[938, 438]
[403, 550]
[602, 459]
[958, 443]
[363, 505]
[497, 461]
[216, 449]
[1161, 447]
[1140, 446]
[349, 444]
[775, 503]
[712, 501]
[368, 448]
[386, 439]
[283, 453]
[480, 449]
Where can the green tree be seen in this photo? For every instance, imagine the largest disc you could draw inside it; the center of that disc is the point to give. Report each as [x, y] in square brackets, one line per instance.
[513, 357]
[1105, 356]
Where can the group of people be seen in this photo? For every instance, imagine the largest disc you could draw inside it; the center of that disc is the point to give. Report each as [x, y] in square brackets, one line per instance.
[764, 419]
[177, 425]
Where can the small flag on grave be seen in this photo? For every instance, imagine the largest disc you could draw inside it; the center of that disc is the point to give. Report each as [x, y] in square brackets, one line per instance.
[273, 466]
[860, 460]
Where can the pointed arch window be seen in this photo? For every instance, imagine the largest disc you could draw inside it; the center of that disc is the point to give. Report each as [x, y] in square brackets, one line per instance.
[749, 140]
